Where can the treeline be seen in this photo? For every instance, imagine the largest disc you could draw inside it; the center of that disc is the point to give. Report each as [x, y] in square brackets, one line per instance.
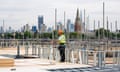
[72, 35]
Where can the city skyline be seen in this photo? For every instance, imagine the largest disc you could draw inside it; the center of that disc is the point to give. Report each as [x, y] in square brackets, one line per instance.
[18, 13]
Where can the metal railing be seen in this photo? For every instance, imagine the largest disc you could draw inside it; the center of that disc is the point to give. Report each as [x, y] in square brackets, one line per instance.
[76, 53]
[94, 53]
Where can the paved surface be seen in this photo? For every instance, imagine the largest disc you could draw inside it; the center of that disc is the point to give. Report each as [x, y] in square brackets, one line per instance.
[38, 65]
[88, 69]
[42, 65]
[80, 69]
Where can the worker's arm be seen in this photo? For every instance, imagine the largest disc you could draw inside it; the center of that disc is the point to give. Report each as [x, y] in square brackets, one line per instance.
[54, 43]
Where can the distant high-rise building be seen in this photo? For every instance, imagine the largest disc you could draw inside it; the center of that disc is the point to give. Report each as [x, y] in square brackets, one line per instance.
[77, 22]
[26, 27]
[70, 26]
[1, 29]
[10, 30]
[43, 29]
[34, 28]
[60, 26]
[40, 22]
[49, 29]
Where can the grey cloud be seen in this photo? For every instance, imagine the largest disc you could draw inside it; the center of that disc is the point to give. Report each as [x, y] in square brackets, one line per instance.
[22, 11]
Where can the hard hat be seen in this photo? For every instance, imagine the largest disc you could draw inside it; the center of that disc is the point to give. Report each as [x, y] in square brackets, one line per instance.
[60, 32]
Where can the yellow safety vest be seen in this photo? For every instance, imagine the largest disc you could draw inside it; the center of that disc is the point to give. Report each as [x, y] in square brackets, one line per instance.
[62, 39]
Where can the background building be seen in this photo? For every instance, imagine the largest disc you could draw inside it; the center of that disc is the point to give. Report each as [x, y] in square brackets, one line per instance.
[70, 26]
[60, 26]
[10, 30]
[1, 29]
[26, 28]
[77, 23]
[43, 29]
[49, 29]
[40, 22]
[34, 28]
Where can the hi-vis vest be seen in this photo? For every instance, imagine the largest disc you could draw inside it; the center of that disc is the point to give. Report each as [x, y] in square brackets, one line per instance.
[62, 39]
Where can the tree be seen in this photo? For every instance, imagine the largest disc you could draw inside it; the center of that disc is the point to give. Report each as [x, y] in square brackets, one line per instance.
[100, 33]
[46, 35]
[118, 35]
[73, 35]
[27, 34]
[8, 35]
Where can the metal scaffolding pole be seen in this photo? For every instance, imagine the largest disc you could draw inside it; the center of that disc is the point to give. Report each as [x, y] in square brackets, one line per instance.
[107, 33]
[55, 19]
[103, 18]
[84, 24]
[54, 52]
[84, 38]
[87, 39]
[111, 30]
[94, 26]
[117, 49]
[100, 54]
[64, 20]
[3, 34]
[104, 53]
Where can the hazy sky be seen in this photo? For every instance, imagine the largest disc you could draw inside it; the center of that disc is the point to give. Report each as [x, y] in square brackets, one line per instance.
[20, 12]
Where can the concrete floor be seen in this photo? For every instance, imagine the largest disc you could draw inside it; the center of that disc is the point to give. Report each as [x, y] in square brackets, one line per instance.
[43, 65]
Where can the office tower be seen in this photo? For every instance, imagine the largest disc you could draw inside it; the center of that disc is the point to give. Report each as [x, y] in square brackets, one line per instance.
[49, 29]
[1, 29]
[40, 22]
[10, 30]
[70, 26]
[26, 27]
[43, 29]
[60, 26]
[34, 28]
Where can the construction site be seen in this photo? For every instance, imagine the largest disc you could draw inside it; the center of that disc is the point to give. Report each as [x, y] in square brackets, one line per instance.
[82, 54]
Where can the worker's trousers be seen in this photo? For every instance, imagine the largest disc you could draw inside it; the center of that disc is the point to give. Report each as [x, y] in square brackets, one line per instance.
[61, 49]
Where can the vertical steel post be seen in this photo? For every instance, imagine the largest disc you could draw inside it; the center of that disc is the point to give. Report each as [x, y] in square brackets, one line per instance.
[18, 52]
[3, 33]
[117, 49]
[103, 19]
[99, 51]
[95, 54]
[104, 53]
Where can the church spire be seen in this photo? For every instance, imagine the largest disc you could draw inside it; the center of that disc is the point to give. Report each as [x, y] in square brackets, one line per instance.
[77, 22]
[77, 15]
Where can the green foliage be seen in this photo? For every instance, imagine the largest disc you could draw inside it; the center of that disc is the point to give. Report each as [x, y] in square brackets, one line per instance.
[100, 33]
[8, 35]
[17, 35]
[107, 34]
[118, 35]
[73, 35]
[46, 35]
[27, 34]
[35, 35]
[55, 32]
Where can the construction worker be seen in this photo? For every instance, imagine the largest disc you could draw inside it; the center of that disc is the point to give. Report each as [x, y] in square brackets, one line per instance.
[61, 47]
